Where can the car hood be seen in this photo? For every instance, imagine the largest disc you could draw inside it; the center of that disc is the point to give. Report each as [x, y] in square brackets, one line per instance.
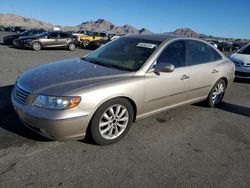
[60, 78]
[240, 57]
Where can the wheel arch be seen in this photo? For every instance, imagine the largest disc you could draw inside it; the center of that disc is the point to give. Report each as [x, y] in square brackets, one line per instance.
[225, 80]
[133, 106]
[129, 99]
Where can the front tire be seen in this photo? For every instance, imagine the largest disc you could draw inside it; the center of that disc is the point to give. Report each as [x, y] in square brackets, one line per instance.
[84, 43]
[111, 121]
[216, 94]
[36, 46]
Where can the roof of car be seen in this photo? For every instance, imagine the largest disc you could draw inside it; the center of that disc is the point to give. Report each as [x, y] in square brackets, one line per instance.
[155, 37]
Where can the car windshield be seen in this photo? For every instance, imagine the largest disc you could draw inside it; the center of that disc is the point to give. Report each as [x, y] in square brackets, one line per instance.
[245, 50]
[125, 53]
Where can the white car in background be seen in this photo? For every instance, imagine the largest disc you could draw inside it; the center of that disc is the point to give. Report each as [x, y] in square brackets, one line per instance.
[242, 62]
[214, 44]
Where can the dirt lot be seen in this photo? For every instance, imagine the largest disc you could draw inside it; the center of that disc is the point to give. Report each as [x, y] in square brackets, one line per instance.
[192, 146]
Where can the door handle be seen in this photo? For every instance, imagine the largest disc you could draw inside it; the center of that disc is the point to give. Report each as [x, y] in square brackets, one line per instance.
[215, 71]
[184, 77]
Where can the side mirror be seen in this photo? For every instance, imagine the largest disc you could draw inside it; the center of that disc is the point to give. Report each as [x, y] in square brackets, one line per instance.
[164, 67]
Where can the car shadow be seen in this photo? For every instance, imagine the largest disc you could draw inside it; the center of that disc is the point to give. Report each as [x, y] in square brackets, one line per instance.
[241, 80]
[9, 120]
[44, 49]
[233, 108]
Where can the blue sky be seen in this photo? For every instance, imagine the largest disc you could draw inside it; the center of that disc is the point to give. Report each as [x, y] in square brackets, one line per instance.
[226, 18]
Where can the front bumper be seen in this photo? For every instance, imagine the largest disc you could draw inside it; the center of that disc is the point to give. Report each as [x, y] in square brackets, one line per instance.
[21, 44]
[7, 41]
[50, 123]
[242, 72]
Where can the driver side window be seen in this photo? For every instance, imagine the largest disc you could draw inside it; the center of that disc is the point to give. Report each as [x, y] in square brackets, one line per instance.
[52, 36]
[175, 54]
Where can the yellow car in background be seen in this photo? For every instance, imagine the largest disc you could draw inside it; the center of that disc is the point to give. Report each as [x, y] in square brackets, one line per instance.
[94, 36]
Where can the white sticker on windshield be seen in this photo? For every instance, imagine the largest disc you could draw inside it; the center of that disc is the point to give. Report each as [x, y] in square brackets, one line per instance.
[146, 45]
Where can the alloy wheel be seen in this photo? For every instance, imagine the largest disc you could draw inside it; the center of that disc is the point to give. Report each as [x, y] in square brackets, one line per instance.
[113, 121]
[217, 94]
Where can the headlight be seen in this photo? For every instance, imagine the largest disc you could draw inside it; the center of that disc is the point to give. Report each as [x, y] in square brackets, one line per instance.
[238, 63]
[56, 103]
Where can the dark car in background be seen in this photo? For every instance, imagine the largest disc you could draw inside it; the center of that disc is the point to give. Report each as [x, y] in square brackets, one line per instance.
[9, 28]
[48, 39]
[2, 28]
[20, 29]
[8, 40]
[96, 44]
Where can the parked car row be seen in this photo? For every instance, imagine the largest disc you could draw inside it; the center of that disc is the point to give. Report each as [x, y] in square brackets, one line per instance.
[227, 46]
[17, 29]
[38, 39]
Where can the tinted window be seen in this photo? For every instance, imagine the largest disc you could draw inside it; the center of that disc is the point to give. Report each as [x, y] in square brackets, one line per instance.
[52, 36]
[199, 52]
[64, 35]
[175, 54]
[245, 50]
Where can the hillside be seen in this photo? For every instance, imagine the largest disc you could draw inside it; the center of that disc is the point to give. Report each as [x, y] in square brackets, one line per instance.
[98, 25]
[14, 20]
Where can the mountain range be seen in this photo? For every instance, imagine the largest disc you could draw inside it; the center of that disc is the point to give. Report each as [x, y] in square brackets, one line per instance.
[98, 25]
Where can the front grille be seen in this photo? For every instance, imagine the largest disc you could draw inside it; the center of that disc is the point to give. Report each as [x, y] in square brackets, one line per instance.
[20, 94]
[247, 65]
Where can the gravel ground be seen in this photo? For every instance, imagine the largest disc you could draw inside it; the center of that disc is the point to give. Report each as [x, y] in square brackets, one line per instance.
[192, 146]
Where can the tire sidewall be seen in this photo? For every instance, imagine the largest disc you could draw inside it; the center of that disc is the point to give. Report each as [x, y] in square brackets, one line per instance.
[85, 43]
[36, 43]
[94, 123]
[70, 48]
[209, 100]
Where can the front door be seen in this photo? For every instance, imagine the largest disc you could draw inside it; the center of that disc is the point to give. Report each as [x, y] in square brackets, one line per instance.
[166, 89]
[51, 40]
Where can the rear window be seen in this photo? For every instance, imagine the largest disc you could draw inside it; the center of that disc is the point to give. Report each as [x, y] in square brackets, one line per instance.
[199, 53]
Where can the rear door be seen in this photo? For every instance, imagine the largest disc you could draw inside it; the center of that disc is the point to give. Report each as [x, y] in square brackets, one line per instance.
[203, 61]
[63, 39]
[165, 89]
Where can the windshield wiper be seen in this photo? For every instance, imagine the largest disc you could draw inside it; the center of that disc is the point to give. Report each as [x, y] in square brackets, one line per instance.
[115, 67]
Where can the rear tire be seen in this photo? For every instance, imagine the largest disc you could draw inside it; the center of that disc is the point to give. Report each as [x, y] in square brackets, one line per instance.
[216, 94]
[36, 46]
[71, 46]
[111, 121]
